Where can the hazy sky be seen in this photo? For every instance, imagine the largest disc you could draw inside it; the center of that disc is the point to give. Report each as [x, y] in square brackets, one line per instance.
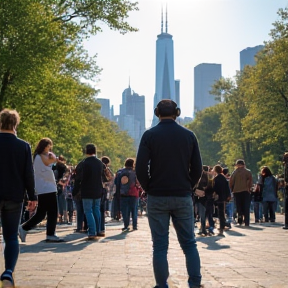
[204, 31]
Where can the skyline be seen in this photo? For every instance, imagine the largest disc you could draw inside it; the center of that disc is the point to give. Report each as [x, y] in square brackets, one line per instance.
[200, 35]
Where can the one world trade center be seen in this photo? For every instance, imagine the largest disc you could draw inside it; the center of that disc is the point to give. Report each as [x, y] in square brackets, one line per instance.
[164, 83]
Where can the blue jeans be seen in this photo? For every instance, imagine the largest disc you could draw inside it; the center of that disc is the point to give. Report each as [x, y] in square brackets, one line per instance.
[230, 211]
[269, 210]
[92, 211]
[258, 211]
[129, 204]
[180, 209]
[10, 217]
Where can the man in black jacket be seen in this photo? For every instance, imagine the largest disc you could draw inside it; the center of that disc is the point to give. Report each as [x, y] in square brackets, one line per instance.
[168, 166]
[16, 179]
[88, 179]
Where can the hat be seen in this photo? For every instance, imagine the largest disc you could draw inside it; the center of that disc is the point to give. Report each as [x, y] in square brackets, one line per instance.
[240, 162]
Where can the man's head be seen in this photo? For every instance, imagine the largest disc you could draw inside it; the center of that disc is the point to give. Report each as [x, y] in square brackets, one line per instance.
[9, 119]
[240, 163]
[90, 149]
[129, 163]
[167, 108]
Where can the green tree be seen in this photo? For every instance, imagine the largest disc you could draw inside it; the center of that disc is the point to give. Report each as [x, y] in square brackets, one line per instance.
[206, 125]
[43, 65]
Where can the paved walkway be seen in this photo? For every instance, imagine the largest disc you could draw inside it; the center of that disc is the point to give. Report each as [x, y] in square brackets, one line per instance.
[247, 257]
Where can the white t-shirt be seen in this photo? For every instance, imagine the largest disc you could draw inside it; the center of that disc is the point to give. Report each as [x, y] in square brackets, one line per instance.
[44, 177]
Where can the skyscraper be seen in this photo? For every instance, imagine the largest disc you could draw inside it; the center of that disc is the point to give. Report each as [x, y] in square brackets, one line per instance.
[247, 56]
[177, 92]
[164, 83]
[105, 107]
[205, 75]
[132, 114]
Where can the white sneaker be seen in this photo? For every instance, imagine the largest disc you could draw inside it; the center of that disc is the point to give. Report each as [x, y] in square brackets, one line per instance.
[22, 234]
[53, 238]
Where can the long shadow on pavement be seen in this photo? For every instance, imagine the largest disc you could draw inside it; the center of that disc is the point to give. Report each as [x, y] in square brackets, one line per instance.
[72, 242]
[211, 243]
[250, 228]
[116, 237]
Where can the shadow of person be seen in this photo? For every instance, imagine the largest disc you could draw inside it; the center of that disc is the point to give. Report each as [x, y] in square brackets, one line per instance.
[250, 228]
[71, 243]
[117, 237]
[234, 233]
[212, 243]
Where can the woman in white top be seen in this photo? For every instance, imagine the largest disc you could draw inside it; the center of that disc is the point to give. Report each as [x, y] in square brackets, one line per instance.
[45, 186]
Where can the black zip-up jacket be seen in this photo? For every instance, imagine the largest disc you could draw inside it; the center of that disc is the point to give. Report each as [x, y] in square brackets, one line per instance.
[16, 169]
[89, 176]
[221, 187]
[168, 160]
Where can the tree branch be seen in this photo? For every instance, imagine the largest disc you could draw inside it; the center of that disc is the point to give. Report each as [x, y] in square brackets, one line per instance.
[284, 97]
[5, 82]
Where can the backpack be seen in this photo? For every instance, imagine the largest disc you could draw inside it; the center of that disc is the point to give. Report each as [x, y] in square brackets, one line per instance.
[108, 174]
[128, 183]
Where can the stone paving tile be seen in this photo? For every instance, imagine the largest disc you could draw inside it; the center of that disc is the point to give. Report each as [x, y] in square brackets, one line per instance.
[246, 257]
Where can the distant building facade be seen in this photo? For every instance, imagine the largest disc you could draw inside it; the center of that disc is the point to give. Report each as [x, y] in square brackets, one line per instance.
[105, 107]
[132, 114]
[177, 92]
[247, 56]
[205, 75]
[164, 80]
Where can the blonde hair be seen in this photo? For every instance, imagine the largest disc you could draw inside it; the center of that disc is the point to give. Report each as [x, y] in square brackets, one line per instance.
[9, 119]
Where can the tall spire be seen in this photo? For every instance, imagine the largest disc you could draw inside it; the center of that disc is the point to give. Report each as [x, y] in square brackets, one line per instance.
[166, 26]
[129, 81]
[161, 19]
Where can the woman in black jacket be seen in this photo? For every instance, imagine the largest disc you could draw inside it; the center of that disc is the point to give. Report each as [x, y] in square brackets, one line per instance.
[221, 189]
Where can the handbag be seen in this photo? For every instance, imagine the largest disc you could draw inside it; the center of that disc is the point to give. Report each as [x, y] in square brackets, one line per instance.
[199, 193]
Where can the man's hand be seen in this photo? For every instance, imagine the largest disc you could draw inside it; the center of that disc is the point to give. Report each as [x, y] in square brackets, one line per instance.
[32, 205]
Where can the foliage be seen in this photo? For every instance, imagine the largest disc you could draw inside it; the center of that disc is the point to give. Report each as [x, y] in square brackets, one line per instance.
[206, 126]
[43, 66]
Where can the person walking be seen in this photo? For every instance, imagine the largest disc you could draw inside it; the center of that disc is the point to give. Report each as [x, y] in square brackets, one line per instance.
[81, 221]
[129, 194]
[200, 200]
[240, 184]
[168, 167]
[46, 189]
[221, 188]
[89, 177]
[104, 198]
[16, 181]
[269, 192]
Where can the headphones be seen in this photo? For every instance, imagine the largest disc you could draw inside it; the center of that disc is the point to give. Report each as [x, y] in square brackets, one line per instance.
[167, 107]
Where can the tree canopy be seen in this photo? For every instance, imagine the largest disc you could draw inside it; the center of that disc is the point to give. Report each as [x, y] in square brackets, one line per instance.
[44, 71]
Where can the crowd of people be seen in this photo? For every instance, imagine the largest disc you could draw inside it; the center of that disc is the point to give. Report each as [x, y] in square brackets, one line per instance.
[230, 198]
[169, 186]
